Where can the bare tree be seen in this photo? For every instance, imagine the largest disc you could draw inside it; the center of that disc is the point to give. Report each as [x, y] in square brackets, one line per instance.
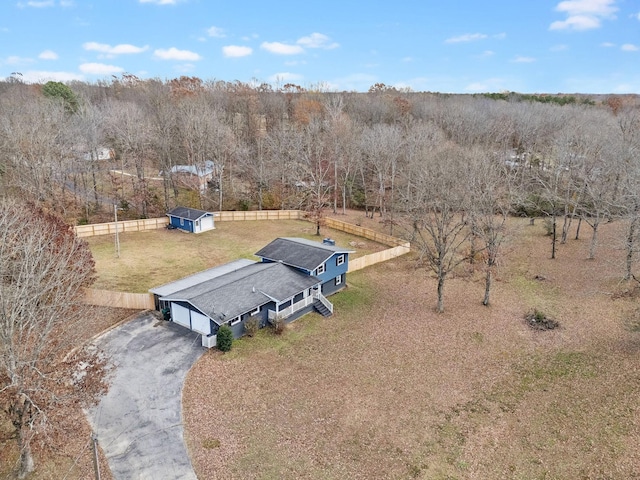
[43, 269]
[435, 201]
[489, 184]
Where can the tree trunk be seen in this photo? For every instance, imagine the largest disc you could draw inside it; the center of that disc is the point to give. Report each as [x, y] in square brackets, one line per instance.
[631, 234]
[26, 458]
[594, 241]
[487, 287]
[440, 293]
[553, 239]
[578, 229]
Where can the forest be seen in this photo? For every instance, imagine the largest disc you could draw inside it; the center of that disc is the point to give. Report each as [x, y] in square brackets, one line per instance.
[149, 145]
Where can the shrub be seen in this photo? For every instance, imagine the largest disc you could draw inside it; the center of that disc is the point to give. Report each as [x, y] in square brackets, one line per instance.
[252, 325]
[538, 320]
[224, 339]
[277, 323]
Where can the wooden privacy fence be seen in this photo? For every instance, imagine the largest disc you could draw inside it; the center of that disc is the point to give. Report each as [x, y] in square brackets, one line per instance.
[364, 232]
[107, 298]
[234, 216]
[373, 258]
[161, 222]
[123, 226]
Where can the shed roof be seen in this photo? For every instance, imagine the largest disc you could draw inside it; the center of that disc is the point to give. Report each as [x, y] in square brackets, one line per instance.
[188, 213]
[299, 252]
[242, 290]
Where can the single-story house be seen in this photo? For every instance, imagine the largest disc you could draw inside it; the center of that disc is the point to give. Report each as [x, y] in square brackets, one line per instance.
[191, 220]
[232, 293]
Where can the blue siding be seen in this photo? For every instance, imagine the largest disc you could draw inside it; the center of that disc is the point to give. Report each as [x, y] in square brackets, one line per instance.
[333, 270]
[182, 223]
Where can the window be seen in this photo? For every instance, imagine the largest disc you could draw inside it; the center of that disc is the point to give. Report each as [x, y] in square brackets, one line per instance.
[320, 270]
[235, 321]
[255, 312]
[182, 222]
[338, 279]
[340, 259]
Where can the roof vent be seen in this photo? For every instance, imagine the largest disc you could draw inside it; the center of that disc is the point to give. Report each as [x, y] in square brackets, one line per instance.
[329, 241]
[253, 289]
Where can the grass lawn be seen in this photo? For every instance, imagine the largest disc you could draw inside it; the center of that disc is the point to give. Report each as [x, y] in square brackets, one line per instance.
[153, 258]
[386, 388]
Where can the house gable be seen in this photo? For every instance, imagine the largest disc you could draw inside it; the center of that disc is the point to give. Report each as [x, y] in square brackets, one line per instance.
[301, 253]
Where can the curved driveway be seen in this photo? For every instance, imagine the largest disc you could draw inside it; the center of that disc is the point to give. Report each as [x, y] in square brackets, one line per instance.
[139, 421]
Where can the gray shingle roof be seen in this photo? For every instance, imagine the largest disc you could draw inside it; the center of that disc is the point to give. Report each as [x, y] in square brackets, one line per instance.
[239, 291]
[197, 278]
[299, 252]
[188, 213]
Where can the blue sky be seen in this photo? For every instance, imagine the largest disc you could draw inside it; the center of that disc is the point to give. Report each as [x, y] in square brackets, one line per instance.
[460, 46]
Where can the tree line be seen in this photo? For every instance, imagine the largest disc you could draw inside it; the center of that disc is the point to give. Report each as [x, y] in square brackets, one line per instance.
[452, 167]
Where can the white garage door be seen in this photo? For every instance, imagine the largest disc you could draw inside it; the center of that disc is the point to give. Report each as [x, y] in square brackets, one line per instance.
[180, 315]
[207, 223]
[200, 323]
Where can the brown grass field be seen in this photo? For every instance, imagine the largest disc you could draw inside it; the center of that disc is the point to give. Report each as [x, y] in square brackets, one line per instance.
[388, 389]
[152, 258]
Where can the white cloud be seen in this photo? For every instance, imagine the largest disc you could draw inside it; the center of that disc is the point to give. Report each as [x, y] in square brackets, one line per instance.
[584, 14]
[629, 47]
[16, 60]
[100, 69]
[285, 77]
[522, 59]
[607, 44]
[122, 49]
[35, 76]
[636, 15]
[281, 48]
[467, 37]
[216, 32]
[37, 4]
[175, 54]
[559, 48]
[48, 55]
[317, 40]
[500, 36]
[487, 54]
[407, 59]
[234, 51]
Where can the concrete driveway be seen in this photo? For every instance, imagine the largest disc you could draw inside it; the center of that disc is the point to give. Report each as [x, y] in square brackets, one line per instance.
[139, 421]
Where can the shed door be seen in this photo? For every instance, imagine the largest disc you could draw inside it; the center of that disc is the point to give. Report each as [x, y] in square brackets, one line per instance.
[200, 323]
[207, 223]
[180, 315]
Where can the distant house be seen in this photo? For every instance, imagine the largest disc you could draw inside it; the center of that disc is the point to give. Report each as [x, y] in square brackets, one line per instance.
[99, 153]
[232, 293]
[323, 260]
[191, 220]
[202, 173]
